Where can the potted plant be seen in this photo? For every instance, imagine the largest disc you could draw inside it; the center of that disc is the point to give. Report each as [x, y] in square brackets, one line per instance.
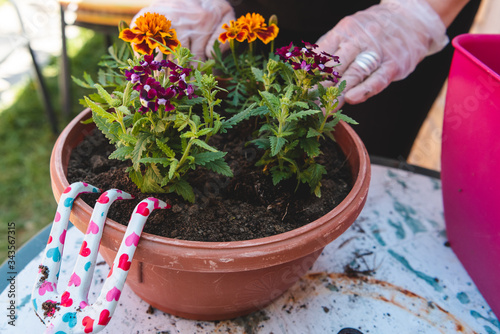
[163, 115]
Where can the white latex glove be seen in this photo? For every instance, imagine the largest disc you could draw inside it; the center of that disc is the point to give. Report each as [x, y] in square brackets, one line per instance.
[197, 22]
[400, 32]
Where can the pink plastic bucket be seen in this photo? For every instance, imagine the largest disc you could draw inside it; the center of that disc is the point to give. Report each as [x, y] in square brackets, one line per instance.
[470, 160]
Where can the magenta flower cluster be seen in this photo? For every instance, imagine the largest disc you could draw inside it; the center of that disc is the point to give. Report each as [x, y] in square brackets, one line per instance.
[152, 93]
[305, 58]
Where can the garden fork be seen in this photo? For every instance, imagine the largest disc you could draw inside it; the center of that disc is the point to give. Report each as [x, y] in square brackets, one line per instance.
[70, 312]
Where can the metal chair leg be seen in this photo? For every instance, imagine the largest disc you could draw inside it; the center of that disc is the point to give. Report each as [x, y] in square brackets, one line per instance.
[49, 109]
[65, 82]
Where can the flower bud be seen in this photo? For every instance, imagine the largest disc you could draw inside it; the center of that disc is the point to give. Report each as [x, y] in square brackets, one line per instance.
[273, 19]
[122, 26]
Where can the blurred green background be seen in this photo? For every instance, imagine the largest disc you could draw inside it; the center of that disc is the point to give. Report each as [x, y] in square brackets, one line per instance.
[26, 142]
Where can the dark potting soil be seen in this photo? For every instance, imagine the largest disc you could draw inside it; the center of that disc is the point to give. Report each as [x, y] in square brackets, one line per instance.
[244, 207]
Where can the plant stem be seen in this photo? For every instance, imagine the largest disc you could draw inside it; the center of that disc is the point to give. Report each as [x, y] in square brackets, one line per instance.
[233, 51]
[185, 154]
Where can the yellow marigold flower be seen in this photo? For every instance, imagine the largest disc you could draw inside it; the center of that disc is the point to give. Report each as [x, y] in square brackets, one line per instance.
[150, 30]
[235, 31]
[258, 28]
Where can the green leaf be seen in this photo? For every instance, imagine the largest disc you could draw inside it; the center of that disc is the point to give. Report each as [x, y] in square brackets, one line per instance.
[262, 143]
[345, 118]
[342, 86]
[124, 110]
[129, 139]
[106, 96]
[298, 115]
[135, 176]
[88, 78]
[313, 175]
[204, 145]
[311, 146]
[165, 149]
[162, 161]
[271, 101]
[205, 157]
[277, 144]
[173, 169]
[103, 125]
[139, 149]
[81, 83]
[219, 166]
[279, 175]
[240, 116]
[313, 133]
[258, 74]
[183, 189]
[204, 132]
[122, 153]
[99, 110]
[138, 124]
[149, 184]
[301, 104]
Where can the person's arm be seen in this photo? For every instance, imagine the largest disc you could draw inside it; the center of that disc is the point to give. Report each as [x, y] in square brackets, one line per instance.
[392, 38]
[447, 9]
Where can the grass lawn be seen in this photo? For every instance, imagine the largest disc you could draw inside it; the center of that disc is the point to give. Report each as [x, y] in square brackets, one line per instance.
[26, 144]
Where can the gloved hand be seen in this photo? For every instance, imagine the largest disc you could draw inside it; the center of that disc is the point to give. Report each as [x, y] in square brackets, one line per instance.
[400, 33]
[197, 22]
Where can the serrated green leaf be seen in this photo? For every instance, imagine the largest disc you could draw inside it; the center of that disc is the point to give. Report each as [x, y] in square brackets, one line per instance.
[156, 175]
[313, 175]
[311, 146]
[183, 189]
[99, 110]
[301, 104]
[122, 153]
[258, 74]
[277, 144]
[139, 148]
[279, 175]
[271, 101]
[173, 169]
[313, 133]
[188, 134]
[301, 114]
[124, 110]
[202, 144]
[88, 78]
[101, 77]
[80, 82]
[342, 86]
[162, 161]
[149, 184]
[219, 166]
[159, 127]
[267, 127]
[138, 124]
[103, 125]
[136, 177]
[262, 143]
[346, 118]
[129, 139]
[165, 149]
[205, 157]
[106, 96]
[204, 132]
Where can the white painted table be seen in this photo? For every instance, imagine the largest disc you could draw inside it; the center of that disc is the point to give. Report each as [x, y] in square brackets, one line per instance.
[391, 272]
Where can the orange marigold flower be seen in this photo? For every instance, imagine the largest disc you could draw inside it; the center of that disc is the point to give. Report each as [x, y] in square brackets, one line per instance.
[150, 30]
[235, 31]
[258, 28]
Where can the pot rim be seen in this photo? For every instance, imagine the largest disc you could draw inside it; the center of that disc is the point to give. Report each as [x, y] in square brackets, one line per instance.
[308, 238]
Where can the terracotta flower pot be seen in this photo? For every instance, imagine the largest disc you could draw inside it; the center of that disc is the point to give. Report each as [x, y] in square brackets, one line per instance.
[218, 280]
